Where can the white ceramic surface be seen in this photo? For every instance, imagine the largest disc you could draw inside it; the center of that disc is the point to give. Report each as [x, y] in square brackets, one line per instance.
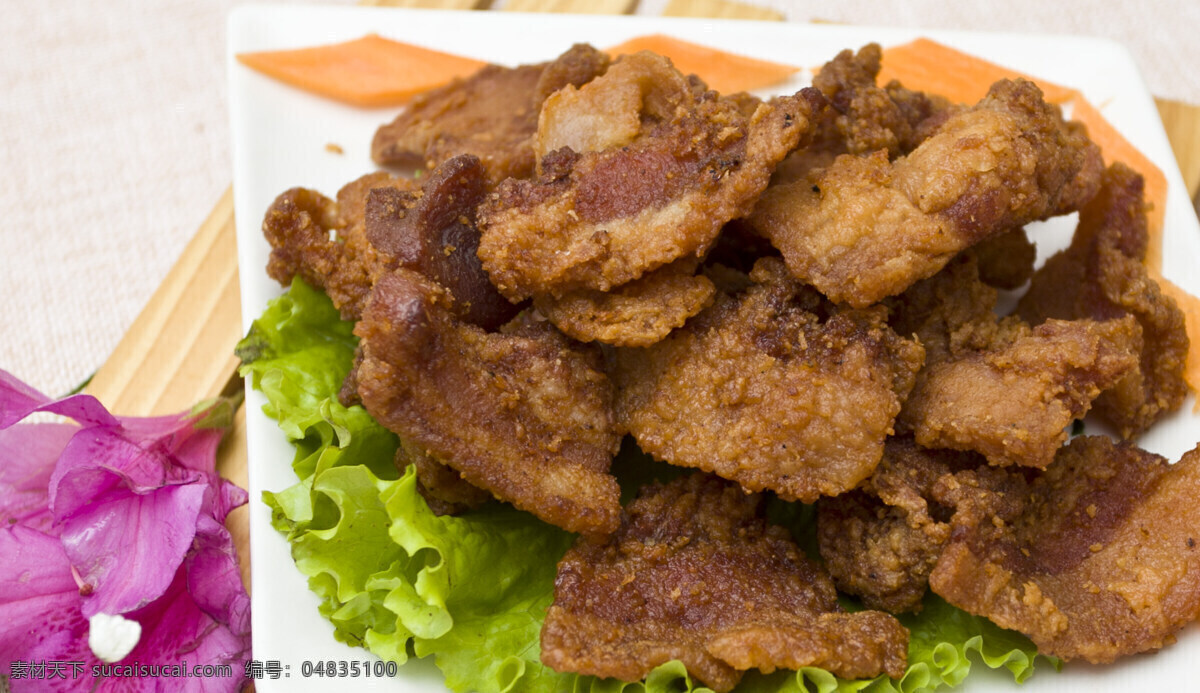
[279, 141]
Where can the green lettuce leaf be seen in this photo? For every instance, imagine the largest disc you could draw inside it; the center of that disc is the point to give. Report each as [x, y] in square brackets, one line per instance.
[471, 591]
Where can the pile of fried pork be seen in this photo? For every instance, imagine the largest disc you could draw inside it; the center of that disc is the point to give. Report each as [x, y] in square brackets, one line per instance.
[795, 296]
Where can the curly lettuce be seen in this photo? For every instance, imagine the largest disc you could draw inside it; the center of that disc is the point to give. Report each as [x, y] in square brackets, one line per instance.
[471, 591]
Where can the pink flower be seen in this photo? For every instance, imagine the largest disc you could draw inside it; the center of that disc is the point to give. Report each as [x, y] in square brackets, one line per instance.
[119, 516]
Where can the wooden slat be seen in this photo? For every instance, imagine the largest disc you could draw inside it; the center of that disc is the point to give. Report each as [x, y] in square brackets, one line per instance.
[572, 6]
[179, 350]
[1182, 122]
[720, 9]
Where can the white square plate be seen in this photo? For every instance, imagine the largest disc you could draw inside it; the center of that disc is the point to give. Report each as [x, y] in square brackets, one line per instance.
[279, 141]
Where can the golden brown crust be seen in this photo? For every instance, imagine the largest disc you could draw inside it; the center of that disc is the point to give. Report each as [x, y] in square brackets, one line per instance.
[695, 573]
[324, 242]
[636, 314]
[865, 228]
[1013, 402]
[774, 389]
[492, 114]
[1094, 559]
[660, 173]
[1101, 276]
[523, 413]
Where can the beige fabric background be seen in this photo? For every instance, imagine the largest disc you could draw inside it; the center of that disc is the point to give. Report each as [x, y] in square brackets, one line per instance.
[114, 142]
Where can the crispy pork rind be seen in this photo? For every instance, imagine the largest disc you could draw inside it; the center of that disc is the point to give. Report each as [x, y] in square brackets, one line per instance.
[775, 389]
[433, 232]
[881, 540]
[492, 114]
[995, 386]
[523, 413]
[324, 241]
[1102, 275]
[1094, 559]
[657, 174]
[865, 228]
[1013, 402]
[636, 314]
[696, 574]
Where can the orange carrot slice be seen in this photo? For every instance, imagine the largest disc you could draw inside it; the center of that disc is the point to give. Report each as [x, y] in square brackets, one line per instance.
[1115, 147]
[370, 71]
[930, 66]
[721, 70]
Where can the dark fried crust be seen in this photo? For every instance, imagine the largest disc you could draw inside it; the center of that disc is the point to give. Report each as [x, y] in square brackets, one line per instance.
[324, 242]
[1005, 260]
[865, 228]
[492, 114]
[602, 217]
[433, 232]
[636, 314]
[774, 389]
[1094, 559]
[1102, 276]
[523, 413]
[695, 573]
[444, 490]
[881, 541]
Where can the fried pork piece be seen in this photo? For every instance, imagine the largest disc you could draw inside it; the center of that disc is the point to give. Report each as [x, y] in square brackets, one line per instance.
[996, 386]
[444, 490]
[636, 314]
[775, 389]
[881, 541]
[870, 117]
[1005, 260]
[696, 574]
[1013, 401]
[865, 228]
[659, 170]
[1101, 276]
[523, 413]
[1094, 559]
[493, 114]
[433, 232]
[325, 243]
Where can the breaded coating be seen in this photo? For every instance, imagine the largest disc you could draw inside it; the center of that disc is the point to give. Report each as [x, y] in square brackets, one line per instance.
[444, 490]
[775, 389]
[869, 117]
[1094, 559]
[865, 228]
[324, 242]
[661, 171]
[433, 232]
[881, 541]
[950, 313]
[1005, 260]
[1013, 402]
[1084, 186]
[1102, 275]
[696, 574]
[523, 413]
[492, 114]
[636, 314]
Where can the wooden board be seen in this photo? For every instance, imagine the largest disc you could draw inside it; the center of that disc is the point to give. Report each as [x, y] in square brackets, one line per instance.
[179, 351]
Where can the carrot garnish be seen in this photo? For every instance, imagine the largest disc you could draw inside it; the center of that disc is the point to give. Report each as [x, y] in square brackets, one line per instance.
[370, 71]
[963, 78]
[721, 70]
